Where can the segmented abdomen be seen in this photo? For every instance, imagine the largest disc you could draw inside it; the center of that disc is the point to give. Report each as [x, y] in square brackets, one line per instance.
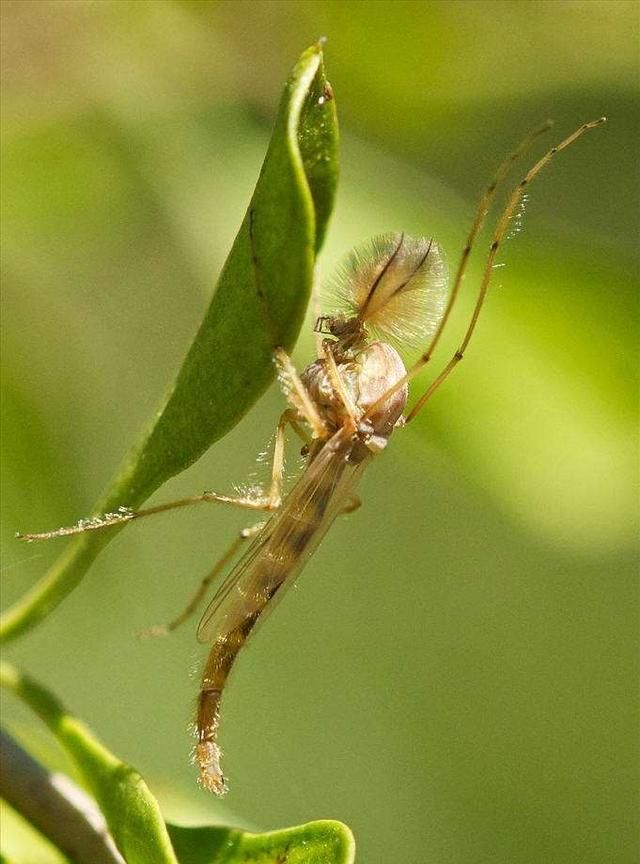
[271, 563]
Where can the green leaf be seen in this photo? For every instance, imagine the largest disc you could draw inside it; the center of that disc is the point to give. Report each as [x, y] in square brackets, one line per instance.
[258, 305]
[322, 842]
[134, 818]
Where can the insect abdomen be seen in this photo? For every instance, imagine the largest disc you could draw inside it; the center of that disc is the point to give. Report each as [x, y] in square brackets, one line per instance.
[273, 562]
[273, 568]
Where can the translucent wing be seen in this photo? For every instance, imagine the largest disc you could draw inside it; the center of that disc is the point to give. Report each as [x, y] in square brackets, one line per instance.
[396, 284]
[285, 544]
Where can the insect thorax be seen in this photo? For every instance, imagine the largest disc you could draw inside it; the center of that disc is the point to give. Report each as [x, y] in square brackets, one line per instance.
[367, 373]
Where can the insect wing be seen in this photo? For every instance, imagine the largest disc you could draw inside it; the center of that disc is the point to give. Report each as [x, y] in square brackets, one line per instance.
[228, 599]
[284, 545]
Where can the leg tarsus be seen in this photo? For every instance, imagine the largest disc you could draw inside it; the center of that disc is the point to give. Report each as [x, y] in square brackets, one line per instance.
[93, 523]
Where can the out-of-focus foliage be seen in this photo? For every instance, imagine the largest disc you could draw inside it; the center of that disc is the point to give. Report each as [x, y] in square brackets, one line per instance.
[458, 658]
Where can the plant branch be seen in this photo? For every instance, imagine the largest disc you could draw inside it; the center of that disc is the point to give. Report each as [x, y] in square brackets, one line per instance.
[55, 806]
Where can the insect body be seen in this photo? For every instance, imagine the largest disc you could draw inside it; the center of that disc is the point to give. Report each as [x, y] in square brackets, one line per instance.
[345, 406]
[333, 396]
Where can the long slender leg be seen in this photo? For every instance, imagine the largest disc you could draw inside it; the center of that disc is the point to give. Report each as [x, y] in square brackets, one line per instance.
[500, 230]
[277, 466]
[164, 629]
[275, 496]
[498, 237]
[297, 394]
[476, 227]
[338, 384]
[271, 501]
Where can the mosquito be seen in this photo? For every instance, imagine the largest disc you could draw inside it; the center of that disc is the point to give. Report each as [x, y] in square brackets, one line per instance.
[344, 406]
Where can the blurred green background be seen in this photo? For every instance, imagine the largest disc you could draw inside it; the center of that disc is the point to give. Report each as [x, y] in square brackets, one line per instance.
[456, 675]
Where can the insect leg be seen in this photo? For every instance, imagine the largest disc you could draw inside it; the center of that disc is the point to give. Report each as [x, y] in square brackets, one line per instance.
[338, 384]
[252, 502]
[277, 466]
[196, 599]
[297, 394]
[300, 431]
[125, 514]
[502, 224]
[498, 236]
[476, 227]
